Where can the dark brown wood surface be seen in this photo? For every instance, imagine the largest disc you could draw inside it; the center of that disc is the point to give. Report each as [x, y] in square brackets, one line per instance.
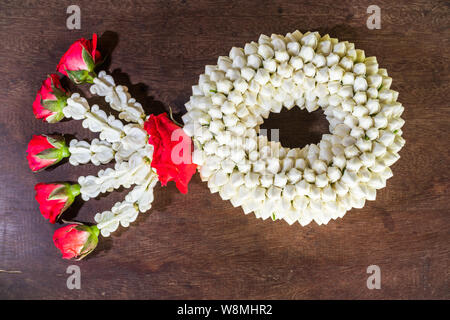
[197, 246]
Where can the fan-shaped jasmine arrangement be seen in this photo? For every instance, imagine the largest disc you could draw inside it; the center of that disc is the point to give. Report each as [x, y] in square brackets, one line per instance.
[320, 181]
[129, 145]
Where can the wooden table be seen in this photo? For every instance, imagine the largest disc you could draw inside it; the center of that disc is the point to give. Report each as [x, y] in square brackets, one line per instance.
[196, 245]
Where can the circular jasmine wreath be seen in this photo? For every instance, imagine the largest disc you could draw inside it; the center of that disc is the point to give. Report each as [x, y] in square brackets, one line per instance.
[319, 181]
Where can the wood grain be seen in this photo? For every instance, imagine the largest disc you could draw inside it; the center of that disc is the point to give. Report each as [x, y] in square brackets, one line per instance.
[197, 246]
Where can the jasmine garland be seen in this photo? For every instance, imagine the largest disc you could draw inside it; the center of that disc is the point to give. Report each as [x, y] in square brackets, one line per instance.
[232, 99]
[318, 182]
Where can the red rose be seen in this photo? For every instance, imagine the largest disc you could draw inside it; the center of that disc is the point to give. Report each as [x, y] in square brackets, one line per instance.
[79, 61]
[44, 151]
[172, 155]
[50, 100]
[76, 241]
[55, 198]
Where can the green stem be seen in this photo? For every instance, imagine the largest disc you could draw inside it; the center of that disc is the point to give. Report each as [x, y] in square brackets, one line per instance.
[95, 230]
[65, 152]
[171, 117]
[75, 189]
[90, 77]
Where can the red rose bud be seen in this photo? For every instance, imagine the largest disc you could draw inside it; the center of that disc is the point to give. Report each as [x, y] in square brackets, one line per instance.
[79, 61]
[50, 100]
[44, 151]
[172, 155]
[76, 240]
[55, 198]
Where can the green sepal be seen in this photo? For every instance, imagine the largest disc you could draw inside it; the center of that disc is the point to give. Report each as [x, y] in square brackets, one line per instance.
[51, 105]
[67, 192]
[59, 151]
[77, 76]
[80, 76]
[56, 117]
[56, 106]
[60, 192]
[56, 141]
[88, 60]
[57, 92]
[50, 154]
[91, 242]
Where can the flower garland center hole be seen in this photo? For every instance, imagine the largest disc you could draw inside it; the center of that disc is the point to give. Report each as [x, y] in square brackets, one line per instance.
[296, 127]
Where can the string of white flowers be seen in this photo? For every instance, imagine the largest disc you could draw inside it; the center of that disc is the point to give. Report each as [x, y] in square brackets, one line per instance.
[125, 212]
[123, 142]
[125, 173]
[126, 144]
[98, 152]
[134, 139]
[118, 98]
[94, 118]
